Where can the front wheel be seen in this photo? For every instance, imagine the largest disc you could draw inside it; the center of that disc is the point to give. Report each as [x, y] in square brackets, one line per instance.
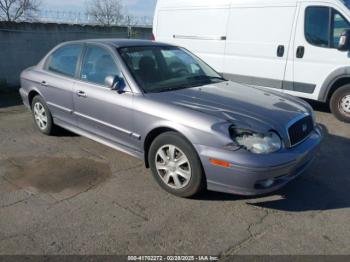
[340, 103]
[176, 165]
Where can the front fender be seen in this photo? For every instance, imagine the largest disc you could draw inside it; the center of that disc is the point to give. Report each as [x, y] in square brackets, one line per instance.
[343, 72]
[209, 136]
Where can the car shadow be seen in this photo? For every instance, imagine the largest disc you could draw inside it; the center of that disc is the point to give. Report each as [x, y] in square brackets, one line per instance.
[319, 106]
[11, 99]
[61, 132]
[325, 186]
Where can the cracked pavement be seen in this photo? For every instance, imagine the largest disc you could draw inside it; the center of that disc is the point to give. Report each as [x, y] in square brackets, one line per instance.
[69, 195]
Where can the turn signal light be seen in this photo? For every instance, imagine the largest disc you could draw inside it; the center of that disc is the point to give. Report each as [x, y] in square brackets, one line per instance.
[217, 162]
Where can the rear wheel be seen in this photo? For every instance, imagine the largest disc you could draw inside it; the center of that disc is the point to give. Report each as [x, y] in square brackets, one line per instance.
[340, 103]
[42, 116]
[176, 166]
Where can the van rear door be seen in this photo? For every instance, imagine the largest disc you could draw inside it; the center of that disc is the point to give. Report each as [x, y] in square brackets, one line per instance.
[199, 26]
[258, 41]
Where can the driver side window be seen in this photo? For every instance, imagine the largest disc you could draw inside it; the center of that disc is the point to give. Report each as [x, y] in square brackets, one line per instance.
[97, 64]
[324, 26]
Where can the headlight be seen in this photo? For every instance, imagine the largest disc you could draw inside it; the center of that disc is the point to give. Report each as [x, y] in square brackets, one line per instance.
[257, 143]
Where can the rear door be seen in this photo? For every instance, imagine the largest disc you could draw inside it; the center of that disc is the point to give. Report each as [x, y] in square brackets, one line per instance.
[100, 110]
[58, 81]
[258, 41]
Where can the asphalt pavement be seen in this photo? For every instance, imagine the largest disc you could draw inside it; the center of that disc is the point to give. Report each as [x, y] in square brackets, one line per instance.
[69, 195]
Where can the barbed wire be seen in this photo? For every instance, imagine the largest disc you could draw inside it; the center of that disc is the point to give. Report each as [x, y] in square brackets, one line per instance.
[74, 17]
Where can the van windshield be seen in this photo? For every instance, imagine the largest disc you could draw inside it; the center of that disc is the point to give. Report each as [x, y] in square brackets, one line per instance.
[163, 68]
[346, 3]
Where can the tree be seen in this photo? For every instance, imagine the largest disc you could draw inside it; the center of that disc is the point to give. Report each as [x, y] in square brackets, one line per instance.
[18, 10]
[106, 12]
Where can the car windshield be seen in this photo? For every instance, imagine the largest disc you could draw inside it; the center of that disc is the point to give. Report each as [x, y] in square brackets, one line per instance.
[163, 68]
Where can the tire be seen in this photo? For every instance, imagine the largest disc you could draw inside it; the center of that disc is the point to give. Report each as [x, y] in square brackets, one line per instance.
[340, 104]
[184, 161]
[42, 116]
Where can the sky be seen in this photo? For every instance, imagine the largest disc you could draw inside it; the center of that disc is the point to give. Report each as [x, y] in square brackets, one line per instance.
[139, 8]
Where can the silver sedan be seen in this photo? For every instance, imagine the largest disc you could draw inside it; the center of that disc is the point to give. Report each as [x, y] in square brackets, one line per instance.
[162, 104]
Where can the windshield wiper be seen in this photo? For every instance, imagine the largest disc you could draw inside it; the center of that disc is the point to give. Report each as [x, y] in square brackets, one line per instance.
[194, 82]
[173, 88]
[204, 77]
[204, 80]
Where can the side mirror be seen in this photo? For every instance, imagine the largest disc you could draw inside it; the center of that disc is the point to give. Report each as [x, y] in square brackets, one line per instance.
[115, 83]
[344, 41]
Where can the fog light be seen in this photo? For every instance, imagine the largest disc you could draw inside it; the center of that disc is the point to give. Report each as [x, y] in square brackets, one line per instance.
[267, 183]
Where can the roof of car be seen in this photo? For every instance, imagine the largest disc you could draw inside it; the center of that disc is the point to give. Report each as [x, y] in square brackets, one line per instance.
[122, 42]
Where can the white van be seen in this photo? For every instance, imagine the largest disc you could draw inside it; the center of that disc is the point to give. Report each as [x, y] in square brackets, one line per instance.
[300, 47]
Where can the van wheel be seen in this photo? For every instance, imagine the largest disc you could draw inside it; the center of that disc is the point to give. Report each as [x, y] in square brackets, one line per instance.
[42, 116]
[176, 166]
[340, 104]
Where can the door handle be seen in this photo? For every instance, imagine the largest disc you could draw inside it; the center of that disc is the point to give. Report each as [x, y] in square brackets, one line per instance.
[280, 51]
[81, 94]
[300, 51]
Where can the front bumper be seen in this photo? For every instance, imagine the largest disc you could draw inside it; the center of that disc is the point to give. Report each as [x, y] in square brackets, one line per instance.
[253, 174]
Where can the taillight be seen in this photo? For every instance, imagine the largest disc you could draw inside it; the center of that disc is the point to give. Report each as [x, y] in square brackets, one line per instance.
[153, 38]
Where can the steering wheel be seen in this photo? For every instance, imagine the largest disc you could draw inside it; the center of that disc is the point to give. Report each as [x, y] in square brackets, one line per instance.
[181, 71]
[178, 69]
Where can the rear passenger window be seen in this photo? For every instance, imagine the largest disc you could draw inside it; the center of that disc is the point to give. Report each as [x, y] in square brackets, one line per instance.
[317, 26]
[64, 60]
[97, 65]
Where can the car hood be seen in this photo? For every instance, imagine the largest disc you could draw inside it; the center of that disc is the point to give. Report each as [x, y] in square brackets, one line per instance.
[239, 103]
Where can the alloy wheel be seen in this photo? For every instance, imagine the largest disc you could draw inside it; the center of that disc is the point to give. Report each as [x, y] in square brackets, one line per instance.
[173, 167]
[40, 116]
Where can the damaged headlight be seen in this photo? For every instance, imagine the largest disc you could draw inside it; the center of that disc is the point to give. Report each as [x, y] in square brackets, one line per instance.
[255, 142]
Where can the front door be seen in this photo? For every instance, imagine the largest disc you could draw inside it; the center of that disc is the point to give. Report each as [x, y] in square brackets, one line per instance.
[315, 48]
[100, 110]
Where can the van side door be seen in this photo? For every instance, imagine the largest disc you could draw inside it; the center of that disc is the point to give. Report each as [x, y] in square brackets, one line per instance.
[200, 28]
[258, 42]
[316, 57]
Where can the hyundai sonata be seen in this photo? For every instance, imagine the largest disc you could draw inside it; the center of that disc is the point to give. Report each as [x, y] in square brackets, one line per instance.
[162, 104]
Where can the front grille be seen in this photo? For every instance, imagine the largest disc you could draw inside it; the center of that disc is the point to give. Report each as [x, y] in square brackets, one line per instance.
[300, 130]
